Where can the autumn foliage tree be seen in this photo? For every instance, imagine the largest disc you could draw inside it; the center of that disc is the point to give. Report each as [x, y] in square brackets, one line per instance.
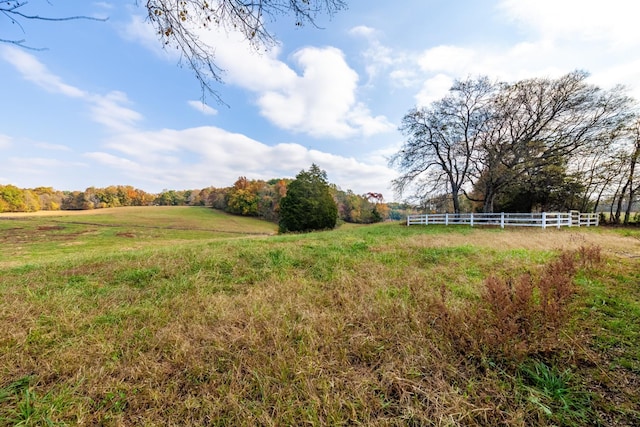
[242, 198]
[247, 197]
[11, 199]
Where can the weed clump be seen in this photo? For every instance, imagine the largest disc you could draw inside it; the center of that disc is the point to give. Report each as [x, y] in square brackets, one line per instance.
[516, 317]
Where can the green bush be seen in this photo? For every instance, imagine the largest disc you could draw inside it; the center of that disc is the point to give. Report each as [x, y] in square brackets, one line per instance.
[308, 204]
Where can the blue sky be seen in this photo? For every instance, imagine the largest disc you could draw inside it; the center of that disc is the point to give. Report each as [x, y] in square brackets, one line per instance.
[104, 104]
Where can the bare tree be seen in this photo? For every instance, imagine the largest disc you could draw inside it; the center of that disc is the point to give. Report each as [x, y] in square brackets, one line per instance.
[534, 122]
[493, 136]
[598, 171]
[634, 175]
[627, 189]
[442, 141]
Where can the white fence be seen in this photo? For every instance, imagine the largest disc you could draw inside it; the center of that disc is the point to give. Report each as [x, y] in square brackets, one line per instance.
[542, 220]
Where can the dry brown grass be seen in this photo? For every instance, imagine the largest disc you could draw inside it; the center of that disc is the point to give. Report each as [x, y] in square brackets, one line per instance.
[538, 240]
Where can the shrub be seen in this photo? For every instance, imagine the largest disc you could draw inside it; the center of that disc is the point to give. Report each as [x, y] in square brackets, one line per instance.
[308, 204]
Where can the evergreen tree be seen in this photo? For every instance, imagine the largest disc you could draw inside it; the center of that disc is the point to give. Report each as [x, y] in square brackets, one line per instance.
[308, 204]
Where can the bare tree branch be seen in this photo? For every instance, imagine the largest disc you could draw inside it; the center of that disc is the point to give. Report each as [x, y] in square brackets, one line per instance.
[12, 11]
[178, 23]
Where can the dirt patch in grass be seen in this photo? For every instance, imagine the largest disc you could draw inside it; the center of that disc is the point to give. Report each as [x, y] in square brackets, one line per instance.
[50, 227]
[38, 234]
[105, 211]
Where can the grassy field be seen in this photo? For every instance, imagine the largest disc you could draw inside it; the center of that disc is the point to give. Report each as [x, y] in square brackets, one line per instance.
[50, 235]
[186, 316]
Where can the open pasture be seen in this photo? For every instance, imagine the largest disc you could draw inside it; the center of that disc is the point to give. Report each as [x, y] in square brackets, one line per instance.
[49, 235]
[186, 316]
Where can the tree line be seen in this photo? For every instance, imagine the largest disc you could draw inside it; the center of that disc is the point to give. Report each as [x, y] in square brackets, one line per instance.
[533, 145]
[246, 197]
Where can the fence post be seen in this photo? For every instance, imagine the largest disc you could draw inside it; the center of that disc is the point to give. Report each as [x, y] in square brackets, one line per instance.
[558, 218]
[426, 219]
[544, 220]
[575, 218]
[472, 219]
[446, 218]
[501, 219]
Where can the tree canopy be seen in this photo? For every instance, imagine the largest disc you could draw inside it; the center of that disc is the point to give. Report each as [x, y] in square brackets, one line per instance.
[488, 140]
[246, 197]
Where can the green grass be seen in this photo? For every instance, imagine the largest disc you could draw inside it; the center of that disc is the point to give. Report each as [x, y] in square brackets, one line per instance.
[204, 318]
[40, 238]
[554, 393]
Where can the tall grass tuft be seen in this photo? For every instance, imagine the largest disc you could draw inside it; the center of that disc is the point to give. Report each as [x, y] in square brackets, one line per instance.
[552, 393]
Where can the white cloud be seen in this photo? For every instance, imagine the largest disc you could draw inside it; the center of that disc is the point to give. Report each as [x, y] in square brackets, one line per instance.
[40, 162]
[433, 89]
[5, 141]
[108, 110]
[600, 37]
[113, 161]
[160, 157]
[138, 30]
[40, 166]
[404, 77]
[319, 99]
[54, 147]
[613, 22]
[377, 56]
[34, 71]
[362, 31]
[203, 108]
[450, 59]
[243, 66]
[553, 38]
[322, 101]
[361, 117]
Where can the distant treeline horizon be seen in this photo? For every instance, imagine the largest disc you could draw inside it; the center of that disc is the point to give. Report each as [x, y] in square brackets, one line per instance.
[256, 198]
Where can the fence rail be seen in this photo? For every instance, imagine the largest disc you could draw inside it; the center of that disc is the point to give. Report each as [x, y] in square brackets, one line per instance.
[542, 220]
